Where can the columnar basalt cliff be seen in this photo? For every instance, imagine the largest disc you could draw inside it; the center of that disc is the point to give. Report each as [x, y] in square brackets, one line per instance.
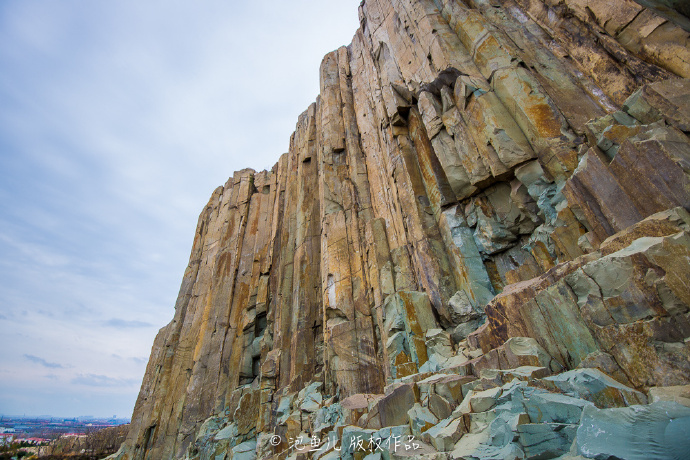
[479, 238]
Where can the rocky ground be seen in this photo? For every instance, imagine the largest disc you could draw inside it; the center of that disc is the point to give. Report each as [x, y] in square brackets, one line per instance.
[577, 414]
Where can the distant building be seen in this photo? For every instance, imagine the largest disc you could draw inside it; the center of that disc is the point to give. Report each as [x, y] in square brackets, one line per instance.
[36, 440]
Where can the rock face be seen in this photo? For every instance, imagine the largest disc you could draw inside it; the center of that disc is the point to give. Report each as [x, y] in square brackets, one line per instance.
[484, 194]
[96, 444]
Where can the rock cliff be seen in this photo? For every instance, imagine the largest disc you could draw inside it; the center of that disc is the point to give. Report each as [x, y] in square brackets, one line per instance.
[96, 444]
[478, 241]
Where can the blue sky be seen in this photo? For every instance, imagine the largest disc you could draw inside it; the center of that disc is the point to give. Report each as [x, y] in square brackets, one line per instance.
[117, 121]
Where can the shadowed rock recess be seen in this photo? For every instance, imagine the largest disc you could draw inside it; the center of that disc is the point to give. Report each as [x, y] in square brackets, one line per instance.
[477, 247]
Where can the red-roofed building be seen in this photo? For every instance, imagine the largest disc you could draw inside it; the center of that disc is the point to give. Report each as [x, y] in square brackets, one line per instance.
[36, 440]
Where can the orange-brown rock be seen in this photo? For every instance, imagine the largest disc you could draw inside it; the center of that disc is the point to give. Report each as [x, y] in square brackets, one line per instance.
[480, 186]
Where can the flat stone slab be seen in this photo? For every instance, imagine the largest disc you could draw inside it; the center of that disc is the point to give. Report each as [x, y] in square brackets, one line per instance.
[659, 431]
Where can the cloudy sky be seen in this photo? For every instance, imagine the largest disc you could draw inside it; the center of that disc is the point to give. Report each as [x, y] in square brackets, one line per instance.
[117, 121]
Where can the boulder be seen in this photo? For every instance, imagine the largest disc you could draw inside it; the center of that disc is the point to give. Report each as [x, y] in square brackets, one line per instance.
[546, 440]
[664, 99]
[244, 451]
[484, 400]
[421, 419]
[229, 432]
[439, 406]
[312, 402]
[394, 406]
[354, 406]
[555, 408]
[595, 386]
[445, 434]
[326, 417]
[477, 446]
[480, 421]
[521, 373]
[461, 331]
[461, 309]
[438, 343]
[425, 386]
[677, 393]
[523, 351]
[468, 445]
[450, 387]
[284, 407]
[659, 430]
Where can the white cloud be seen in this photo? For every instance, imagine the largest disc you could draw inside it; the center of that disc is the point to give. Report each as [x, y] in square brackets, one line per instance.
[95, 380]
[125, 324]
[118, 120]
[43, 362]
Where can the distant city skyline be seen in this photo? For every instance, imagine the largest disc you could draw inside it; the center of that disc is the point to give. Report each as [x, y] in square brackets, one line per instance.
[117, 121]
[58, 417]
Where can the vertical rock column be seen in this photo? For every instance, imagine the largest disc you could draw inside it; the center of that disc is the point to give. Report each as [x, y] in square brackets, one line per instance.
[296, 307]
[352, 356]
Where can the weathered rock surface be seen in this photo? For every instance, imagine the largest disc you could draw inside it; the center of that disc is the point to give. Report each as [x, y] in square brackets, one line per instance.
[658, 430]
[97, 444]
[479, 237]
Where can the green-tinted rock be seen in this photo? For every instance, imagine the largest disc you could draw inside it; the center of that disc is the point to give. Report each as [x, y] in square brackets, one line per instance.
[555, 408]
[228, 432]
[355, 440]
[546, 440]
[657, 431]
[595, 386]
[421, 419]
[484, 400]
[445, 434]
[461, 308]
[394, 406]
[244, 451]
[461, 331]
